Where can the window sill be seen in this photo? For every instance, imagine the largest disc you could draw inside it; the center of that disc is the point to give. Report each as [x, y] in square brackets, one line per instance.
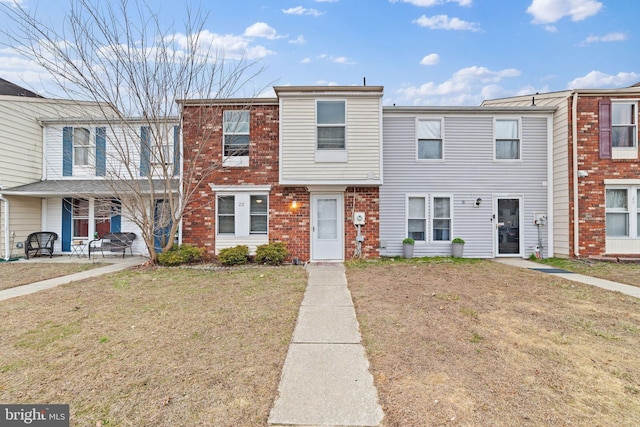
[236, 162]
[620, 153]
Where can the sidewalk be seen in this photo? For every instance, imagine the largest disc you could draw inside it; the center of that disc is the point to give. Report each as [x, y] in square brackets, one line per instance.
[325, 379]
[633, 291]
[114, 264]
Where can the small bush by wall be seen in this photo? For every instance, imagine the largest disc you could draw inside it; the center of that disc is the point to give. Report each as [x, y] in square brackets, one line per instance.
[234, 256]
[181, 254]
[271, 254]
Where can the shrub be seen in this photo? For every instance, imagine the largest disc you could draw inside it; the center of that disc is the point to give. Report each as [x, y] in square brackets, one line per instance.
[272, 254]
[181, 254]
[234, 256]
[408, 241]
[458, 240]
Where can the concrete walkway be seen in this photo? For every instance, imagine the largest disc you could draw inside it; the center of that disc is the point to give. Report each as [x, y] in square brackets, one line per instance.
[633, 291]
[325, 379]
[113, 264]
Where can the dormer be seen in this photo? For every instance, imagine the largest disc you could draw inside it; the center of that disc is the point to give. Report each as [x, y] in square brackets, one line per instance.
[330, 135]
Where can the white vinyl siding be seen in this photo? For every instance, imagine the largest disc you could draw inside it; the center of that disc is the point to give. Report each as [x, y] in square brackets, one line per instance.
[360, 163]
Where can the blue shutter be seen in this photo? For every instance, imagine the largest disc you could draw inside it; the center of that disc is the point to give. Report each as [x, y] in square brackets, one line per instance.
[116, 220]
[145, 146]
[67, 151]
[67, 207]
[176, 150]
[101, 151]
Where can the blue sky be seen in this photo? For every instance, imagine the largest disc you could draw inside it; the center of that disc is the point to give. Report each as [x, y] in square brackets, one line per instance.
[424, 52]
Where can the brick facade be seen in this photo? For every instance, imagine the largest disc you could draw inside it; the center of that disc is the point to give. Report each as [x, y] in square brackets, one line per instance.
[202, 130]
[591, 189]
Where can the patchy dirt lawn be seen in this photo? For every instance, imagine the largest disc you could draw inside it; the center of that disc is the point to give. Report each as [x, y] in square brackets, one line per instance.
[18, 273]
[628, 273]
[161, 347]
[481, 343]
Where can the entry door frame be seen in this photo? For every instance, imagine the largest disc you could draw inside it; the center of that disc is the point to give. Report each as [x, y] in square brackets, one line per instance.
[496, 234]
[320, 248]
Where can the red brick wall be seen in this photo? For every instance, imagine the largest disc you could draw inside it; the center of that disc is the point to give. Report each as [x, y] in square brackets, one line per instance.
[591, 189]
[202, 129]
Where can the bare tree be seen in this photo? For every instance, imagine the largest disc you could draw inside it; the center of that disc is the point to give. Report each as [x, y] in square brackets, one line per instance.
[119, 54]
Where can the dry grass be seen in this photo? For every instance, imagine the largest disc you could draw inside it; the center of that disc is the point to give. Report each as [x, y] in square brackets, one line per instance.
[628, 273]
[165, 347]
[481, 343]
[17, 273]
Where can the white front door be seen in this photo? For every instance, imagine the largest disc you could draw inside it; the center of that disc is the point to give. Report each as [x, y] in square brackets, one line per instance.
[327, 225]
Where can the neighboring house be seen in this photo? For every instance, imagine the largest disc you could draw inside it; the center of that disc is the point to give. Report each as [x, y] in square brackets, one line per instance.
[95, 171]
[596, 170]
[296, 168]
[21, 161]
[479, 173]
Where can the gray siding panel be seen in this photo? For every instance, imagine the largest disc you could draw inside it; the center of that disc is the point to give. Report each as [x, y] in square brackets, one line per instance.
[467, 173]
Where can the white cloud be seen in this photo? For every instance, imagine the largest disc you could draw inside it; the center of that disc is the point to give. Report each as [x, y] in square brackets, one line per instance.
[468, 86]
[429, 3]
[611, 37]
[431, 59]
[299, 10]
[597, 79]
[443, 22]
[549, 11]
[306, 61]
[13, 2]
[298, 40]
[336, 59]
[326, 83]
[261, 29]
[228, 46]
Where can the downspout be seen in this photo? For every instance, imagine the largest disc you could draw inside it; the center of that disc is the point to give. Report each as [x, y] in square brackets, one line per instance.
[7, 242]
[576, 199]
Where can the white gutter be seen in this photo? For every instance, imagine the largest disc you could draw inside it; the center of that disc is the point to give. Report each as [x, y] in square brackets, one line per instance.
[576, 199]
[7, 241]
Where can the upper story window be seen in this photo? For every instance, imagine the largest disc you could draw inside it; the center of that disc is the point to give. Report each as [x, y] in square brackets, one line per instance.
[235, 143]
[82, 147]
[507, 134]
[624, 131]
[429, 135]
[331, 122]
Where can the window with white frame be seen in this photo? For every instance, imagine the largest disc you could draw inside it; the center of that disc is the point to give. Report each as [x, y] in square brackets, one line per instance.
[417, 218]
[331, 125]
[236, 133]
[80, 218]
[243, 214]
[441, 223]
[258, 214]
[82, 146]
[226, 215]
[617, 212]
[429, 135]
[624, 129]
[507, 134]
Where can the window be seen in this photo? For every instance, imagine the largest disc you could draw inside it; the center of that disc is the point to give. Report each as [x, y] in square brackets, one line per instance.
[441, 219]
[331, 125]
[236, 133]
[258, 214]
[102, 216]
[617, 213]
[226, 215]
[429, 134]
[507, 139]
[416, 218]
[80, 218]
[82, 146]
[623, 125]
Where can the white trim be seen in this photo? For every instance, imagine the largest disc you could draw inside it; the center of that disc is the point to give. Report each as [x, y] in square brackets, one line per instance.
[424, 196]
[240, 188]
[442, 137]
[326, 188]
[506, 118]
[340, 223]
[629, 181]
